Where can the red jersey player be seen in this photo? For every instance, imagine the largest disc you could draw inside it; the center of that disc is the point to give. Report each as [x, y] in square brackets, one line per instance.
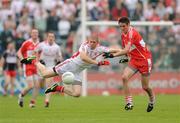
[25, 51]
[139, 61]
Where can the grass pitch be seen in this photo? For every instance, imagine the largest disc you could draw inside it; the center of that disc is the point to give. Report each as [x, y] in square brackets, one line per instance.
[92, 109]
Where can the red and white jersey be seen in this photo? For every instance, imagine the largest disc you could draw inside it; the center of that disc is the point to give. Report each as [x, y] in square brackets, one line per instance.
[138, 49]
[92, 53]
[49, 53]
[27, 49]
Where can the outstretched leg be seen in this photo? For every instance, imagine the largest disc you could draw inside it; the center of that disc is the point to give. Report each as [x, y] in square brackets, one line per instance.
[45, 72]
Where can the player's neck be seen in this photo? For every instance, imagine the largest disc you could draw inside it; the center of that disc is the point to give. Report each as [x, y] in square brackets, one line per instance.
[35, 41]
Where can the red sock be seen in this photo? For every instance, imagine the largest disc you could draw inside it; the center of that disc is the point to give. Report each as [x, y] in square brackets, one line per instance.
[60, 88]
[32, 101]
[128, 99]
[46, 101]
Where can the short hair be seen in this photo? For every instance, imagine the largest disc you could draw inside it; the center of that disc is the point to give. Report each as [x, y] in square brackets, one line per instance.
[50, 32]
[124, 20]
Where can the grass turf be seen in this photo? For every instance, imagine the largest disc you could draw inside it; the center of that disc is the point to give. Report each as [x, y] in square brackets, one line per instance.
[92, 109]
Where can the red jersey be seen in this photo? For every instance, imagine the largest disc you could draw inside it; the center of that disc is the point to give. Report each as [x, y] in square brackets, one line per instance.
[27, 50]
[138, 48]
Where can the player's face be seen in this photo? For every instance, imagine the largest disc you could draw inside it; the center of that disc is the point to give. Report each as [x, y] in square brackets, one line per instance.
[93, 43]
[51, 38]
[124, 27]
[34, 34]
[11, 46]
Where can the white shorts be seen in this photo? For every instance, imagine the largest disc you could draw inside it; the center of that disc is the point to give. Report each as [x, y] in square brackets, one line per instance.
[69, 66]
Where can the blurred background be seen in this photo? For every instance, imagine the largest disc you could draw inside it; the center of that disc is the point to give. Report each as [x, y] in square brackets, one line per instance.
[64, 18]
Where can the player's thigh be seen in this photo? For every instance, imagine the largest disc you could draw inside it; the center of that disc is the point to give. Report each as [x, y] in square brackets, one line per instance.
[128, 72]
[77, 89]
[29, 81]
[7, 78]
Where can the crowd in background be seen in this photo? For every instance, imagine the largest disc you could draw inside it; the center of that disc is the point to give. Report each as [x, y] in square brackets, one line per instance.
[63, 17]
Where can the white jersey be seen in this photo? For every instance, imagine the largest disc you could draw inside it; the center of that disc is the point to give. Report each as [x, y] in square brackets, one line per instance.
[49, 53]
[92, 53]
[76, 65]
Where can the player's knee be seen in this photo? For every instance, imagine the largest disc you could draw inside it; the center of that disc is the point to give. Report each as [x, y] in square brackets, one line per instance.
[145, 88]
[76, 94]
[124, 78]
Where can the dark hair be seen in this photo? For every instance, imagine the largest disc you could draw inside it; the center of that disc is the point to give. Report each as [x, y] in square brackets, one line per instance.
[124, 20]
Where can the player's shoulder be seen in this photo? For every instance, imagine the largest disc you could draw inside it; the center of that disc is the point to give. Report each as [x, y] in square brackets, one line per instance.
[134, 31]
[42, 43]
[55, 45]
[27, 42]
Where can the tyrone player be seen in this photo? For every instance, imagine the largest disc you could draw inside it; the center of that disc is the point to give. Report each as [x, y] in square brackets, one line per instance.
[49, 54]
[140, 60]
[84, 58]
[27, 50]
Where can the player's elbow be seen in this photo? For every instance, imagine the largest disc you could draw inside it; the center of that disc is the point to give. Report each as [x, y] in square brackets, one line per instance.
[83, 58]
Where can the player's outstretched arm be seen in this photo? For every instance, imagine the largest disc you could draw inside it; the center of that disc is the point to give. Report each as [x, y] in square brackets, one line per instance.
[121, 52]
[88, 60]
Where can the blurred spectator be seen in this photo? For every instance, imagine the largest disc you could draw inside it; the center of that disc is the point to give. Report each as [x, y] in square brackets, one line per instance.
[10, 22]
[32, 6]
[63, 29]
[24, 27]
[119, 10]
[131, 6]
[138, 13]
[16, 7]
[40, 21]
[52, 22]
[5, 36]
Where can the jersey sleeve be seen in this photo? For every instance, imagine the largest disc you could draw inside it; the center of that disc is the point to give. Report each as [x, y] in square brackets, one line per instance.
[23, 47]
[103, 49]
[59, 54]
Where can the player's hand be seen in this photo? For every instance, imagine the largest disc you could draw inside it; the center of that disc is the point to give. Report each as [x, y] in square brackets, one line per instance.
[108, 55]
[105, 62]
[123, 60]
[28, 60]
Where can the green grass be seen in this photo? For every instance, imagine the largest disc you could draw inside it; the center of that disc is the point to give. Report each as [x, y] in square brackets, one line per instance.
[92, 109]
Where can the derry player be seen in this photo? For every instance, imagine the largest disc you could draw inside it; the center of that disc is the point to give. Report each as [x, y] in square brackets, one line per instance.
[50, 54]
[84, 58]
[27, 50]
[140, 61]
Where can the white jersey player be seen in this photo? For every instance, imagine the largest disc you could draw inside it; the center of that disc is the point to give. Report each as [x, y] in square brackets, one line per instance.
[84, 58]
[76, 64]
[50, 52]
[49, 55]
